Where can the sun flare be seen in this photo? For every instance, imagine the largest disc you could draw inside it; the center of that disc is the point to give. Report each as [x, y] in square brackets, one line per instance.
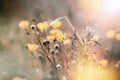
[112, 6]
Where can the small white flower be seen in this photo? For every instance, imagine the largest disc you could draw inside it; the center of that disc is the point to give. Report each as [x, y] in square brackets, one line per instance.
[33, 27]
[58, 66]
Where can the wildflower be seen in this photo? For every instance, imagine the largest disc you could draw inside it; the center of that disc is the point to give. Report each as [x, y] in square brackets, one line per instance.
[56, 25]
[52, 32]
[32, 47]
[110, 34]
[33, 27]
[58, 66]
[42, 26]
[50, 37]
[46, 42]
[52, 51]
[17, 78]
[118, 36]
[24, 24]
[55, 32]
[56, 46]
[61, 37]
[103, 62]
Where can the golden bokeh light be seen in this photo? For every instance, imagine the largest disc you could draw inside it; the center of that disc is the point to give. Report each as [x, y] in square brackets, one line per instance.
[118, 36]
[110, 34]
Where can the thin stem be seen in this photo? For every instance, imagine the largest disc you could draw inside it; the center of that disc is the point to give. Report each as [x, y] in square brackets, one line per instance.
[54, 64]
[45, 51]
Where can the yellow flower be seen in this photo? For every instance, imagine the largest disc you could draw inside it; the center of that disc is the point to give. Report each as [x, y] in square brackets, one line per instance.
[61, 37]
[17, 78]
[96, 37]
[118, 36]
[50, 37]
[32, 47]
[55, 32]
[24, 24]
[103, 62]
[42, 26]
[56, 24]
[110, 34]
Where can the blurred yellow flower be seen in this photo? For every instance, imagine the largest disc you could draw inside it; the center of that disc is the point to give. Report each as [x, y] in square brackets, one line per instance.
[55, 32]
[50, 37]
[42, 26]
[56, 24]
[110, 34]
[24, 24]
[32, 47]
[103, 62]
[17, 78]
[118, 36]
[61, 37]
[96, 37]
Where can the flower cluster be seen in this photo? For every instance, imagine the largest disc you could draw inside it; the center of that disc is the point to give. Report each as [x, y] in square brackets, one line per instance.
[52, 44]
[66, 57]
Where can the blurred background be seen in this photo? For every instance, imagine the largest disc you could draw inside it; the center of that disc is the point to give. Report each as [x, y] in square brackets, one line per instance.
[15, 60]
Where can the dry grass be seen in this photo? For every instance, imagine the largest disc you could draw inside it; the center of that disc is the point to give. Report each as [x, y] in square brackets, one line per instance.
[63, 54]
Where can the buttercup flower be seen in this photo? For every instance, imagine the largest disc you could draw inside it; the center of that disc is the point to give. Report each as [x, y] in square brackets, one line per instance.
[61, 37]
[24, 24]
[55, 32]
[50, 37]
[56, 24]
[42, 26]
[32, 47]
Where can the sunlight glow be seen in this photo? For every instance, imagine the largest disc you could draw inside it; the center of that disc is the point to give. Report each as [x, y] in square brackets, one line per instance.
[112, 6]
